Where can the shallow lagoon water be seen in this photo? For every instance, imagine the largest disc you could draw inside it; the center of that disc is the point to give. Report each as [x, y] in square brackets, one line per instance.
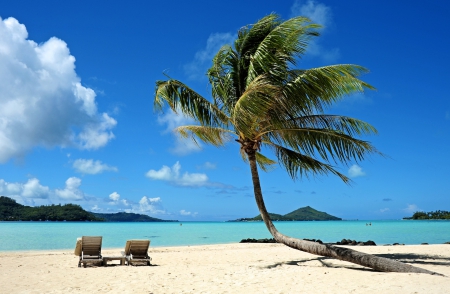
[17, 236]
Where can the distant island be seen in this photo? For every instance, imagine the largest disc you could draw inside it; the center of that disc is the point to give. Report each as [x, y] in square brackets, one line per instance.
[128, 217]
[302, 214]
[10, 210]
[438, 214]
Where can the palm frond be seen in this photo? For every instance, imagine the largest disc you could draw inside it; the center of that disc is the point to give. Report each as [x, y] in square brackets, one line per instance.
[300, 165]
[259, 97]
[310, 90]
[182, 98]
[266, 164]
[214, 136]
[344, 124]
[281, 47]
[328, 144]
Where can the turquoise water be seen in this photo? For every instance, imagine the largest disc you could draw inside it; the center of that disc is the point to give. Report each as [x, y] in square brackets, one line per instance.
[18, 236]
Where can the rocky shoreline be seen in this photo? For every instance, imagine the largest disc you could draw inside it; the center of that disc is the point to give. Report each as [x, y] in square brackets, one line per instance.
[347, 242]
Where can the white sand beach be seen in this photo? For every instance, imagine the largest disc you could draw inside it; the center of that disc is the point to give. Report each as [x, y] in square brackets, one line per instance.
[230, 268]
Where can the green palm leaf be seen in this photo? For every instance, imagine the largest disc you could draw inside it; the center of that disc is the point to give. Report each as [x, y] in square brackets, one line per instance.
[211, 135]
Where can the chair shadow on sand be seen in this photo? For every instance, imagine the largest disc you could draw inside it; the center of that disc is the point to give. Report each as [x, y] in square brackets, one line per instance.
[411, 258]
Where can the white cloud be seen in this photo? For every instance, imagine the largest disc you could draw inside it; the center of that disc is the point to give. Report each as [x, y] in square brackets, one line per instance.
[31, 189]
[317, 12]
[71, 191]
[114, 196]
[207, 165]
[115, 199]
[203, 58]
[188, 213]
[383, 210]
[89, 166]
[172, 175]
[43, 100]
[411, 208]
[174, 120]
[149, 205]
[355, 171]
[320, 14]
[95, 208]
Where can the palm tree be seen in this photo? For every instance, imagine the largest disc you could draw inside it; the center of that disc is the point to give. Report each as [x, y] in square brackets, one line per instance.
[264, 103]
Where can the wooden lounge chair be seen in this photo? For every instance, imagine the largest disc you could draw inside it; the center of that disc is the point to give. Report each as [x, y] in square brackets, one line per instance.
[137, 251]
[89, 249]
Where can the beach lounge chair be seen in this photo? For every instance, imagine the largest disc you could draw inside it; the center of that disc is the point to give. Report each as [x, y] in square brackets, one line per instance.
[137, 251]
[89, 249]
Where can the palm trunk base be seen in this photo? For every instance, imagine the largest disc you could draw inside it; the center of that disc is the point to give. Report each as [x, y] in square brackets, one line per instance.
[377, 263]
[346, 254]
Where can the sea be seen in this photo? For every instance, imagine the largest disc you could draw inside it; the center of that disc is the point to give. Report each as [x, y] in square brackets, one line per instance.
[24, 236]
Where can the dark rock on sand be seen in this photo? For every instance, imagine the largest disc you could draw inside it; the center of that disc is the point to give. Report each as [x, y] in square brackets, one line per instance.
[250, 240]
[356, 243]
[314, 240]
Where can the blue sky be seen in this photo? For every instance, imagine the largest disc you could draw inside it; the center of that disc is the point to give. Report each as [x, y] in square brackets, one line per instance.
[77, 123]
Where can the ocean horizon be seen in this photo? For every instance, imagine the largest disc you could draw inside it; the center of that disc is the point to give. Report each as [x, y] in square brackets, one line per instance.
[24, 236]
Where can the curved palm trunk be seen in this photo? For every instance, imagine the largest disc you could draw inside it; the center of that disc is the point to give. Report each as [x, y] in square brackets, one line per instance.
[368, 260]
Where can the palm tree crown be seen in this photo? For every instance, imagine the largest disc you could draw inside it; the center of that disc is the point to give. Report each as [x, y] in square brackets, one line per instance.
[264, 101]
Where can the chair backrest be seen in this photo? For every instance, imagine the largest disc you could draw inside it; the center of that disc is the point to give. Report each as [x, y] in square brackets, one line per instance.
[91, 245]
[137, 247]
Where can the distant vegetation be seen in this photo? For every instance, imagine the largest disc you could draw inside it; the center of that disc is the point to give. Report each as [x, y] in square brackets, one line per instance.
[302, 214]
[128, 217]
[438, 214]
[10, 210]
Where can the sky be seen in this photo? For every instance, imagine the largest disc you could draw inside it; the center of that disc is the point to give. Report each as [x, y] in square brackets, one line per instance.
[77, 124]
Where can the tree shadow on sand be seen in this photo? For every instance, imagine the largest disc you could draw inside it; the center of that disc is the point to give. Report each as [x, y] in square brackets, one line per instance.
[410, 258]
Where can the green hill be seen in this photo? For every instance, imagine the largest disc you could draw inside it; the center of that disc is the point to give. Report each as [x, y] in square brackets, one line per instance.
[128, 217]
[10, 210]
[308, 213]
[302, 214]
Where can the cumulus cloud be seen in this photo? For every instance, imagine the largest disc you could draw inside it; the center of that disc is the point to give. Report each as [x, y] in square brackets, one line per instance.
[197, 68]
[114, 196]
[31, 189]
[188, 213]
[321, 14]
[149, 205]
[89, 166]
[115, 199]
[71, 191]
[356, 171]
[173, 120]
[411, 208]
[43, 100]
[173, 176]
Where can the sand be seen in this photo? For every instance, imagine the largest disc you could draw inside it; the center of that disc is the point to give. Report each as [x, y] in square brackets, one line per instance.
[230, 268]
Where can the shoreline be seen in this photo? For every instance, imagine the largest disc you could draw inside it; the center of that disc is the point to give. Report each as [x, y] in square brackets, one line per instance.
[355, 247]
[225, 268]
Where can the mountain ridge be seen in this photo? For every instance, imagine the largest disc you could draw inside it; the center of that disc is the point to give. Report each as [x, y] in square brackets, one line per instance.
[306, 213]
[10, 210]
